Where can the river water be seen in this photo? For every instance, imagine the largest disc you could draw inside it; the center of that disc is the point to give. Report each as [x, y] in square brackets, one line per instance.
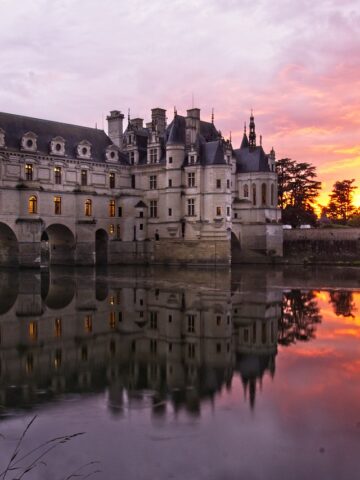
[252, 373]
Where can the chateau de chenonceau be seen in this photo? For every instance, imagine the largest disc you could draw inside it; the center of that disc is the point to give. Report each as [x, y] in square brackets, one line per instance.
[175, 193]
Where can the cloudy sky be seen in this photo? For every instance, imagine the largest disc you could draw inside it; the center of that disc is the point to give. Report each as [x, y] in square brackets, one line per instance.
[296, 63]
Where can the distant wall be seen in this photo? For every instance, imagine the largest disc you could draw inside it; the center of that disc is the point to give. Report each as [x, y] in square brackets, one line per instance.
[322, 245]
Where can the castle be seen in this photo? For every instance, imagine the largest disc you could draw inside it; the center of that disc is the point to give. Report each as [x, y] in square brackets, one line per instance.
[154, 193]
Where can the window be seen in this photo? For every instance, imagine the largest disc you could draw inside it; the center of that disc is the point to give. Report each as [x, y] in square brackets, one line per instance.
[112, 320]
[57, 171]
[228, 211]
[153, 155]
[130, 139]
[218, 211]
[191, 207]
[88, 208]
[33, 330]
[58, 358]
[141, 226]
[272, 194]
[153, 346]
[118, 232]
[170, 212]
[228, 158]
[263, 194]
[29, 169]
[218, 348]
[57, 205]
[191, 323]
[263, 332]
[153, 182]
[191, 179]
[218, 320]
[170, 160]
[111, 229]
[170, 182]
[254, 193]
[112, 180]
[227, 183]
[84, 177]
[32, 204]
[153, 208]
[112, 208]
[88, 323]
[141, 214]
[58, 327]
[153, 320]
[246, 190]
[133, 182]
[170, 318]
[218, 183]
[192, 159]
[132, 158]
[191, 350]
[119, 211]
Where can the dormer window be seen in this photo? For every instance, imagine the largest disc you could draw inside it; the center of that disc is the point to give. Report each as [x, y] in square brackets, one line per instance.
[84, 149]
[153, 155]
[29, 142]
[57, 146]
[192, 159]
[112, 154]
[2, 137]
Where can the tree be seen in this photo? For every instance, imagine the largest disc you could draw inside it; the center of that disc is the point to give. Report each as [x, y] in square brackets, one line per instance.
[341, 207]
[298, 190]
[343, 303]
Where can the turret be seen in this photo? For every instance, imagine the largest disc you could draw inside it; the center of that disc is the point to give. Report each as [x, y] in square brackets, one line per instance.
[252, 133]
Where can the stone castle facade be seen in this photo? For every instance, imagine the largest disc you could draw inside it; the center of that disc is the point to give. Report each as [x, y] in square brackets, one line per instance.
[154, 193]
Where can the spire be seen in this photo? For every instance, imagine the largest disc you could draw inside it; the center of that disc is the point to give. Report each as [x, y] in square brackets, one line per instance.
[175, 111]
[129, 116]
[230, 136]
[252, 133]
[244, 128]
[212, 116]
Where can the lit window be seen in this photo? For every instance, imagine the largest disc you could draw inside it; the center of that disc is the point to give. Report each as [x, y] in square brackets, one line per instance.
[57, 205]
[57, 171]
[112, 320]
[191, 179]
[58, 327]
[218, 211]
[88, 208]
[58, 358]
[112, 208]
[153, 208]
[33, 204]
[29, 363]
[84, 175]
[111, 229]
[112, 180]
[29, 170]
[33, 331]
[153, 182]
[88, 323]
[191, 207]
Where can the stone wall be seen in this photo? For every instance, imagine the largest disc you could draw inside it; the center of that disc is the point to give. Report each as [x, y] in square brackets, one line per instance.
[322, 245]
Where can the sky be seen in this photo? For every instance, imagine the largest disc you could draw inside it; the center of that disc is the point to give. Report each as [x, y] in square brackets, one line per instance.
[296, 63]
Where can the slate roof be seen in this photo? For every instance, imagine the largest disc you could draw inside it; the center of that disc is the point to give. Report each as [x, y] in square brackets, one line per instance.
[176, 131]
[251, 160]
[15, 126]
[245, 141]
[213, 153]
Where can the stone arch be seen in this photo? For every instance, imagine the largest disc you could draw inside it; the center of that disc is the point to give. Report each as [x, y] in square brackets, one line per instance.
[9, 247]
[101, 246]
[235, 248]
[59, 293]
[58, 245]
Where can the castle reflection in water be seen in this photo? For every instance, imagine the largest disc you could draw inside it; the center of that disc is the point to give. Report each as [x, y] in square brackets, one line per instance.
[179, 336]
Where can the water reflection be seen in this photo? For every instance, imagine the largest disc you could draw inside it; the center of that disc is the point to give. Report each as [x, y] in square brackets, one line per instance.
[162, 335]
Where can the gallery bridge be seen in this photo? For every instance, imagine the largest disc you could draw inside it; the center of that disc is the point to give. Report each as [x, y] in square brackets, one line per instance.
[41, 241]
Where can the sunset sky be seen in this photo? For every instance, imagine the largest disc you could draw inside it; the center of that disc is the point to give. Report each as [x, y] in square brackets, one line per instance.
[296, 63]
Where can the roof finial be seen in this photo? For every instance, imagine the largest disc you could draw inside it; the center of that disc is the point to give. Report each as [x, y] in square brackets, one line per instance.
[212, 116]
[244, 128]
[230, 136]
[129, 115]
[260, 140]
[175, 111]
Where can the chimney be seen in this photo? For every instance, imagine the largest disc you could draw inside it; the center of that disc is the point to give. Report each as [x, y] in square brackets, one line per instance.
[137, 122]
[192, 125]
[115, 127]
[158, 118]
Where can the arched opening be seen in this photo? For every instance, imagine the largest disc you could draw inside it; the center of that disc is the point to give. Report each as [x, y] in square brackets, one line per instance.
[246, 190]
[235, 248]
[263, 194]
[272, 190]
[101, 247]
[32, 207]
[9, 248]
[254, 193]
[57, 245]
